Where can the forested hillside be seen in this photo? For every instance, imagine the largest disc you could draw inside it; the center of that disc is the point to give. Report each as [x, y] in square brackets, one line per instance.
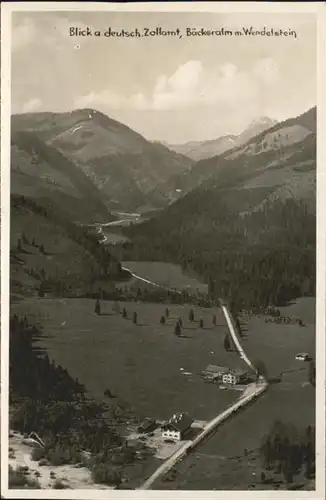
[250, 228]
[41, 172]
[51, 254]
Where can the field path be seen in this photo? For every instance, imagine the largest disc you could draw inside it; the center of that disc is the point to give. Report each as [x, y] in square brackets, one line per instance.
[240, 350]
[150, 282]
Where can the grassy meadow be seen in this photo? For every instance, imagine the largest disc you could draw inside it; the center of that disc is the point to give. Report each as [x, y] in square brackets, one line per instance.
[139, 363]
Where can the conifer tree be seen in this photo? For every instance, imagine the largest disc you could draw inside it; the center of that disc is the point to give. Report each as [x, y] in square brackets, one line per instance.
[177, 329]
[97, 308]
[191, 315]
[227, 344]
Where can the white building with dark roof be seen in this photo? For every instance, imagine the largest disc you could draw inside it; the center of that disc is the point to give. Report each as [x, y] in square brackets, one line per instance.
[234, 377]
[177, 427]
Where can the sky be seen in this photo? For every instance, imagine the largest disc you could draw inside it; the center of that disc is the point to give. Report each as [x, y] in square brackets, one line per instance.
[166, 88]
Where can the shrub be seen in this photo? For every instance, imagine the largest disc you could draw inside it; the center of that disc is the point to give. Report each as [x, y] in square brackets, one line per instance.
[37, 454]
[58, 456]
[105, 474]
[43, 462]
[59, 485]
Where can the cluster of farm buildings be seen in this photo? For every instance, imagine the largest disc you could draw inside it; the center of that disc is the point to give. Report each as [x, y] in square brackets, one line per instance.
[176, 428]
[225, 375]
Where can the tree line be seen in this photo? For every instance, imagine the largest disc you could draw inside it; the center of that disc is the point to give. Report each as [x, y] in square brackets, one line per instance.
[289, 451]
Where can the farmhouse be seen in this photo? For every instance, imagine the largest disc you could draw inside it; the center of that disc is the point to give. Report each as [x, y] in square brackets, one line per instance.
[234, 376]
[177, 427]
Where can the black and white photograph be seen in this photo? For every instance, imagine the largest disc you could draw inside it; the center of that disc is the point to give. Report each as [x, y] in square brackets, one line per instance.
[162, 234]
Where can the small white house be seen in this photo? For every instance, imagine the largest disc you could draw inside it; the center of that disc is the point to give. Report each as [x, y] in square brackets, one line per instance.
[230, 378]
[233, 377]
[177, 427]
[302, 356]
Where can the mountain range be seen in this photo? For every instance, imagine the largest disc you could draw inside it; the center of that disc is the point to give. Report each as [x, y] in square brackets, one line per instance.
[199, 150]
[82, 164]
[282, 155]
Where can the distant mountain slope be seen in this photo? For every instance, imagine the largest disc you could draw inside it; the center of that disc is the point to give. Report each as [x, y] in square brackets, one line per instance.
[123, 164]
[290, 142]
[199, 150]
[41, 172]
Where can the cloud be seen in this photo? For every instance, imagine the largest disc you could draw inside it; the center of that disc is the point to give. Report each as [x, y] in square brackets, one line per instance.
[267, 70]
[23, 34]
[31, 105]
[107, 98]
[193, 85]
[47, 29]
[179, 88]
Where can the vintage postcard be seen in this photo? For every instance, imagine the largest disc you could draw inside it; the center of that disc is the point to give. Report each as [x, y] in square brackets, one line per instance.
[163, 179]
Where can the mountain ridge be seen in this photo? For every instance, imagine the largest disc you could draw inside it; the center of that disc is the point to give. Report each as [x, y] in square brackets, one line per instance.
[270, 144]
[119, 161]
[199, 150]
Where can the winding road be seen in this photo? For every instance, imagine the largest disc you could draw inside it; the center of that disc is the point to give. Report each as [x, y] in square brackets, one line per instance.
[252, 391]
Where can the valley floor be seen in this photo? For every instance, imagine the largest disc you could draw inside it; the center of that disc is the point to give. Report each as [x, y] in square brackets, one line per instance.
[157, 374]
